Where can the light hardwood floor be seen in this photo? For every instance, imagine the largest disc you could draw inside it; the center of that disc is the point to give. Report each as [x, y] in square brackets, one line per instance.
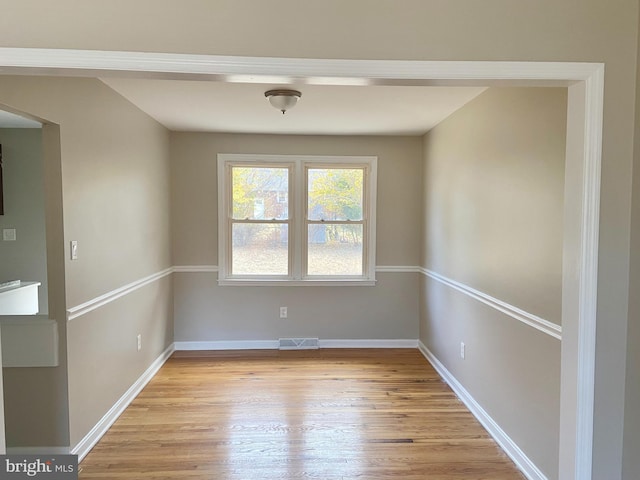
[315, 414]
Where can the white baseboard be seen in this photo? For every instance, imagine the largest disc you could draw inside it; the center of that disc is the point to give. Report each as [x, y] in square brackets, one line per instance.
[87, 443]
[376, 343]
[273, 344]
[229, 345]
[37, 450]
[523, 462]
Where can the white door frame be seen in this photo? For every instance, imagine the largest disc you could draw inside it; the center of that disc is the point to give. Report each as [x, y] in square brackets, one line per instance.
[3, 440]
[585, 82]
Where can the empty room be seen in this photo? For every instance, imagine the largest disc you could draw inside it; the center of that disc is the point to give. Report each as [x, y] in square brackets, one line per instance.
[355, 240]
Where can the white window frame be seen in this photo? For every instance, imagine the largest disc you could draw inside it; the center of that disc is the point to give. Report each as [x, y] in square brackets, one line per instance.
[298, 165]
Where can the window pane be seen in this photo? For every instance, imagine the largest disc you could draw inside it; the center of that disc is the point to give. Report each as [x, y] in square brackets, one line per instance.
[335, 193]
[334, 250]
[260, 249]
[260, 193]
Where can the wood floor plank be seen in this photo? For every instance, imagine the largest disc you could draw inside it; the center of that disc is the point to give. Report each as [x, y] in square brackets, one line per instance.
[330, 414]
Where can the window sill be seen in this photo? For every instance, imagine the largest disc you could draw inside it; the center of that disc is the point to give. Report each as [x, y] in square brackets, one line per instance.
[295, 283]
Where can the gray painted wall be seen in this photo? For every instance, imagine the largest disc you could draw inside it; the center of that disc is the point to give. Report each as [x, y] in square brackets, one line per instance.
[26, 258]
[204, 311]
[494, 181]
[631, 454]
[545, 30]
[111, 163]
[493, 189]
[103, 357]
[37, 397]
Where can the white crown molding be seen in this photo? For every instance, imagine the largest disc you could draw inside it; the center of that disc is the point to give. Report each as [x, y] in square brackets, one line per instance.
[97, 302]
[527, 318]
[524, 463]
[95, 434]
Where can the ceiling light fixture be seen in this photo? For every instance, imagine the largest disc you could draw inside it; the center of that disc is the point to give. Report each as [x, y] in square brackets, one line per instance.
[283, 100]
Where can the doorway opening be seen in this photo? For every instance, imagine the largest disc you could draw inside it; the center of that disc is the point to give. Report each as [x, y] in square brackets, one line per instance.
[584, 134]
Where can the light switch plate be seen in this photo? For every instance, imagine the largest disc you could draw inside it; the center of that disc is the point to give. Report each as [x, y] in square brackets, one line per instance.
[9, 234]
[74, 249]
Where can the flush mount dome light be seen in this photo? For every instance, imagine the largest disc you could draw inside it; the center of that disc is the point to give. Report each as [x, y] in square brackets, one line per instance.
[283, 100]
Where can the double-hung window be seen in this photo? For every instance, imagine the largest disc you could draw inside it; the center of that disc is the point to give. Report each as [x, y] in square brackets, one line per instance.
[296, 219]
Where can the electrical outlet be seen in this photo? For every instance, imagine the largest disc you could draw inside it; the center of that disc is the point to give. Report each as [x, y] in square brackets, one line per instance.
[139, 342]
[463, 347]
[283, 312]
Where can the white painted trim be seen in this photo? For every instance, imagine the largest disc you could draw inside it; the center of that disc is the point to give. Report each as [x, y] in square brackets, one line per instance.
[281, 70]
[109, 297]
[274, 344]
[93, 304]
[90, 439]
[38, 451]
[237, 282]
[228, 345]
[530, 319]
[29, 61]
[588, 273]
[398, 269]
[195, 268]
[521, 460]
[364, 343]
[297, 167]
[379, 268]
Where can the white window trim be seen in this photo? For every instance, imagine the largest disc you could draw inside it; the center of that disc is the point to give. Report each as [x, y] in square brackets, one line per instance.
[297, 212]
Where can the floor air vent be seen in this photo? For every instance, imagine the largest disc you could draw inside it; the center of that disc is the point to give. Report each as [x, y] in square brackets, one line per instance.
[298, 343]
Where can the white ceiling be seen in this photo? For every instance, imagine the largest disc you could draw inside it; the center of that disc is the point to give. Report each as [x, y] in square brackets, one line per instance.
[323, 109]
[10, 120]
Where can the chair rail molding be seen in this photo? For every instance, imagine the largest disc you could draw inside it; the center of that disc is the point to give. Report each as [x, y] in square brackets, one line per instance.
[585, 82]
[527, 318]
[97, 302]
